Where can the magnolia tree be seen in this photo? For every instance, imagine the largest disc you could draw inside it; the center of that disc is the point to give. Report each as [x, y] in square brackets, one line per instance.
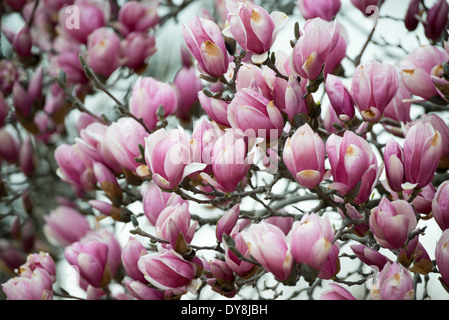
[276, 162]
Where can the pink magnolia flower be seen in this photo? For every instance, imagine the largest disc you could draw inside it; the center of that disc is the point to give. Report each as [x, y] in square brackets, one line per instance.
[131, 253]
[398, 109]
[366, 6]
[216, 109]
[304, 154]
[36, 286]
[443, 129]
[122, 139]
[169, 157]
[442, 257]
[187, 84]
[260, 79]
[35, 261]
[422, 153]
[352, 162]
[289, 96]
[394, 165]
[440, 206]
[9, 145]
[141, 291]
[318, 39]
[417, 68]
[370, 257]
[240, 267]
[138, 16]
[255, 115]
[227, 222]
[267, 244]
[221, 278]
[337, 292]
[146, 97]
[311, 241]
[253, 28]
[436, 20]
[374, 86]
[206, 44]
[92, 15]
[410, 20]
[230, 163]
[394, 283]
[154, 200]
[332, 265]
[75, 167]
[391, 222]
[324, 9]
[340, 98]
[103, 51]
[174, 221]
[65, 225]
[169, 271]
[136, 48]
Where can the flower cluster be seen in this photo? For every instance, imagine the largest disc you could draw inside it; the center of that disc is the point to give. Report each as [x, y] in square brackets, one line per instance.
[301, 159]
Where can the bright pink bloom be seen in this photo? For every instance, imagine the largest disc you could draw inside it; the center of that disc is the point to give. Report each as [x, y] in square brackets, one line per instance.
[391, 222]
[340, 98]
[253, 28]
[440, 206]
[154, 200]
[443, 129]
[394, 283]
[92, 15]
[227, 222]
[442, 257]
[187, 84]
[141, 291]
[90, 259]
[289, 96]
[374, 86]
[230, 163]
[324, 9]
[267, 244]
[138, 16]
[394, 164]
[65, 225]
[337, 292]
[422, 153]
[332, 265]
[103, 51]
[206, 44]
[366, 6]
[216, 109]
[260, 79]
[169, 157]
[75, 167]
[304, 154]
[311, 240]
[37, 286]
[352, 161]
[168, 270]
[122, 139]
[255, 115]
[318, 39]
[41, 260]
[174, 220]
[131, 253]
[136, 48]
[417, 68]
[436, 20]
[369, 256]
[146, 97]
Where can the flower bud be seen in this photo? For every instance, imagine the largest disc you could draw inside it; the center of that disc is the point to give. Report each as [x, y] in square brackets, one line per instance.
[206, 44]
[436, 20]
[216, 109]
[237, 243]
[324, 9]
[442, 258]
[103, 51]
[41, 260]
[370, 257]
[141, 291]
[311, 241]
[65, 225]
[137, 16]
[229, 163]
[394, 165]
[340, 98]
[391, 222]
[374, 86]
[443, 129]
[410, 20]
[422, 153]
[169, 157]
[337, 292]
[440, 206]
[253, 27]
[227, 222]
[131, 253]
[332, 265]
[221, 278]
[137, 47]
[304, 156]
[146, 97]
[395, 283]
[187, 85]
[168, 270]
[23, 42]
[38, 286]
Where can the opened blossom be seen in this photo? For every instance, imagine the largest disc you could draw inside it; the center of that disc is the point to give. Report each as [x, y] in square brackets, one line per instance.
[440, 206]
[324, 9]
[394, 283]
